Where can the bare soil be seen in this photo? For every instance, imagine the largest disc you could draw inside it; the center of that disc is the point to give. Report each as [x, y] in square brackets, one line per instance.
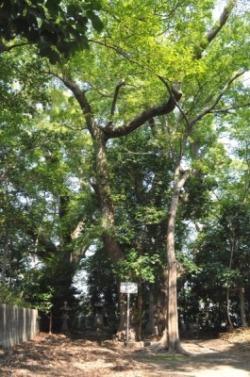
[60, 356]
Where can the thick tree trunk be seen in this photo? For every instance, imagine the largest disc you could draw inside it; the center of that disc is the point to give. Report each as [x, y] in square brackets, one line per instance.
[172, 320]
[111, 245]
[173, 339]
[242, 307]
[173, 328]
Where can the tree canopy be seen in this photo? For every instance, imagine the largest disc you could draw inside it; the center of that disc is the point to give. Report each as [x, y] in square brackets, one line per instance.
[126, 157]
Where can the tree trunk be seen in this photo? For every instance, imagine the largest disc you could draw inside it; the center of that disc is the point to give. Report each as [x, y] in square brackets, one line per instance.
[232, 250]
[163, 312]
[111, 245]
[173, 328]
[120, 334]
[173, 339]
[242, 307]
[150, 329]
[230, 323]
[139, 314]
[4, 261]
[50, 323]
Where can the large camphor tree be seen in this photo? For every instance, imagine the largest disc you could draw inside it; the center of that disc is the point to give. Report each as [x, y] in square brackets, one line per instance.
[146, 51]
[153, 60]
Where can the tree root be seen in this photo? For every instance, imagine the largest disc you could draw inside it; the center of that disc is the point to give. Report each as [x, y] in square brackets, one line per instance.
[159, 347]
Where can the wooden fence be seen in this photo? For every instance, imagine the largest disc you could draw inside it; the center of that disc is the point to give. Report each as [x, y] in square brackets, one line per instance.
[17, 324]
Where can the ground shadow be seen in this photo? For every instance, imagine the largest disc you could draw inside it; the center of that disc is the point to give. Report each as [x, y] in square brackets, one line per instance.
[60, 356]
[235, 356]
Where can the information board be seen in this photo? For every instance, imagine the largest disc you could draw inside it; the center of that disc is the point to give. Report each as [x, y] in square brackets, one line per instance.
[129, 287]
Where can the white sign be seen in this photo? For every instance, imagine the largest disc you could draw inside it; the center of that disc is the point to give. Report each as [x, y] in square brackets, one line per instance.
[129, 287]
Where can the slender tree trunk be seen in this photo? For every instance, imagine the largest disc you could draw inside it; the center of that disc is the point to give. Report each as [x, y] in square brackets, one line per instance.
[120, 334]
[151, 322]
[230, 323]
[4, 259]
[50, 323]
[242, 307]
[173, 339]
[139, 314]
[232, 250]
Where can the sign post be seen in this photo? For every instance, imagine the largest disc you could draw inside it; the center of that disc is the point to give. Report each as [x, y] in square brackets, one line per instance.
[128, 288]
[128, 317]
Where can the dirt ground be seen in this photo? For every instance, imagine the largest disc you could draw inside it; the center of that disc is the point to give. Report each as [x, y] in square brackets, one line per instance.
[59, 356]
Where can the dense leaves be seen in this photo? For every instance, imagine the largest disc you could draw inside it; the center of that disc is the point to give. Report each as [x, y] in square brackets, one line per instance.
[56, 27]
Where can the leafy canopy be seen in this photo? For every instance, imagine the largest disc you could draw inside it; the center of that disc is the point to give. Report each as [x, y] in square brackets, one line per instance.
[57, 27]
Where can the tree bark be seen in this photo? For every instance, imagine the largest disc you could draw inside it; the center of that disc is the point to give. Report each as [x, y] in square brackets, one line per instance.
[242, 307]
[111, 245]
[173, 339]
[230, 323]
[163, 310]
[139, 314]
[151, 320]
[5, 258]
[232, 250]
[50, 323]
[120, 334]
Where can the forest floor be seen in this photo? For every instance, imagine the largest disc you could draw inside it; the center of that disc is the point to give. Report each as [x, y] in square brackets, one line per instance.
[59, 356]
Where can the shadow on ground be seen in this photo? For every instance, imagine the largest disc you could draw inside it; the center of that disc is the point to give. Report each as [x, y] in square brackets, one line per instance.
[206, 359]
[60, 356]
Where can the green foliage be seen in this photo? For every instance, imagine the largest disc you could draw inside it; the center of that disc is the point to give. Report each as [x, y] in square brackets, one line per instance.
[10, 297]
[57, 27]
[35, 291]
[138, 267]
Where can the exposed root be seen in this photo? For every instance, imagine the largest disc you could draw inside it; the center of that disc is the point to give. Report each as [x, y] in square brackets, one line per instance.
[159, 347]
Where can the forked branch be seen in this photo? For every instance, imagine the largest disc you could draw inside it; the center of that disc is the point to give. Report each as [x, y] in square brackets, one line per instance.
[163, 109]
[217, 99]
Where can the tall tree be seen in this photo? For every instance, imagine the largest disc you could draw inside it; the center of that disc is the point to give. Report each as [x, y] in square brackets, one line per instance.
[147, 49]
[135, 52]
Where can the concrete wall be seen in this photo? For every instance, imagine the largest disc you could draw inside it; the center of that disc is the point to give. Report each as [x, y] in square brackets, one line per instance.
[17, 324]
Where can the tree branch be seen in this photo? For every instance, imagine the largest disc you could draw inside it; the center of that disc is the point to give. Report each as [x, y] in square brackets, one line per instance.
[230, 110]
[176, 102]
[222, 21]
[145, 116]
[80, 97]
[182, 180]
[116, 93]
[210, 108]
[115, 48]
[41, 240]
[4, 48]
[212, 33]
